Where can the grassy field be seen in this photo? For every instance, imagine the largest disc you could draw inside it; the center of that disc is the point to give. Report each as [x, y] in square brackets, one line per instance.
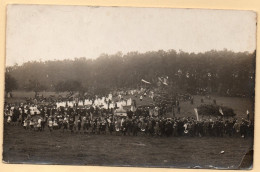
[19, 96]
[21, 146]
[239, 105]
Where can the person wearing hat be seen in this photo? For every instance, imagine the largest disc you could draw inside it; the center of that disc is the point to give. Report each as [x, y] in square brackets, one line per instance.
[93, 125]
[186, 128]
[43, 122]
[50, 124]
[55, 124]
[135, 127]
[192, 100]
[26, 123]
[103, 126]
[9, 118]
[89, 125]
[60, 119]
[71, 123]
[98, 124]
[157, 129]
[129, 126]
[77, 122]
[180, 127]
[84, 124]
[117, 126]
[168, 128]
[65, 122]
[111, 125]
[123, 126]
[31, 124]
[141, 98]
[151, 124]
[243, 128]
[39, 121]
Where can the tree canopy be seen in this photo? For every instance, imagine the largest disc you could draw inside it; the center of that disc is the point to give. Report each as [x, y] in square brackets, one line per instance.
[10, 83]
[221, 72]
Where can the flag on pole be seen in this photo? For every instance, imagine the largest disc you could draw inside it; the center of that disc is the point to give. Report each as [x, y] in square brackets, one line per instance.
[91, 116]
[196, 113]
[220, 111]
[160, 79]
[145, 81]
[163, 80]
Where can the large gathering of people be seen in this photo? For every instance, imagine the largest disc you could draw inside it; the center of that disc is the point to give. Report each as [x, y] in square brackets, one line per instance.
[90, 119]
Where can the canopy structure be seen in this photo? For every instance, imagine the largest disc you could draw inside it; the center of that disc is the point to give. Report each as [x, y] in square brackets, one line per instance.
[120, 112]
[145, 106]
[215, 110]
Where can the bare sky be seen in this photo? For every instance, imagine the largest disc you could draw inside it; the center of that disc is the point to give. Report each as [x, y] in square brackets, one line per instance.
[38, 32]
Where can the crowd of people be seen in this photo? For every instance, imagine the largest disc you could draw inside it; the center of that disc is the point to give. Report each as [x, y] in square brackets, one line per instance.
[94, 120]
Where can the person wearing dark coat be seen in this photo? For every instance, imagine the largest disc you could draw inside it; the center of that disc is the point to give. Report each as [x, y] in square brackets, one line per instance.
[129, 114]
[129, 126]
[124, 127]
[168, 128]
[135, 128]
[179, 109]
[191, 101]
[15, 115]
[180, 128]
[243, 129]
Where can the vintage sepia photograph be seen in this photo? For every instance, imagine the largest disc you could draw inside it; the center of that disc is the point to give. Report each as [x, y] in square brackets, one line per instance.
[128, 86]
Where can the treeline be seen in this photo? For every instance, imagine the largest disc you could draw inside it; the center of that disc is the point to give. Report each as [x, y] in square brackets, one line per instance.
[221, 72]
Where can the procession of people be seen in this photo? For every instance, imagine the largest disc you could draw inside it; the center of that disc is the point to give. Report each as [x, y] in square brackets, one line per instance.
[93, 119]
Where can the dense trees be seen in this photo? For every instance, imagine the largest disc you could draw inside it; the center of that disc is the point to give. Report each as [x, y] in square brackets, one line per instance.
[68, 85]
[10, 83]
[35, 85]
[222, 72]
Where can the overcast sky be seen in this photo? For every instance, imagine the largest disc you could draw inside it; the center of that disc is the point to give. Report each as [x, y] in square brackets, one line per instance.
[38, 32]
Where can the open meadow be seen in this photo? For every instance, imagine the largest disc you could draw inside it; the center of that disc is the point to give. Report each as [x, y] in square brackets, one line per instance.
[21, 146]
[25, 146]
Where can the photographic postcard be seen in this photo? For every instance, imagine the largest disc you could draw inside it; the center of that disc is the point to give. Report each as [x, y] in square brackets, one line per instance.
[125, 86]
